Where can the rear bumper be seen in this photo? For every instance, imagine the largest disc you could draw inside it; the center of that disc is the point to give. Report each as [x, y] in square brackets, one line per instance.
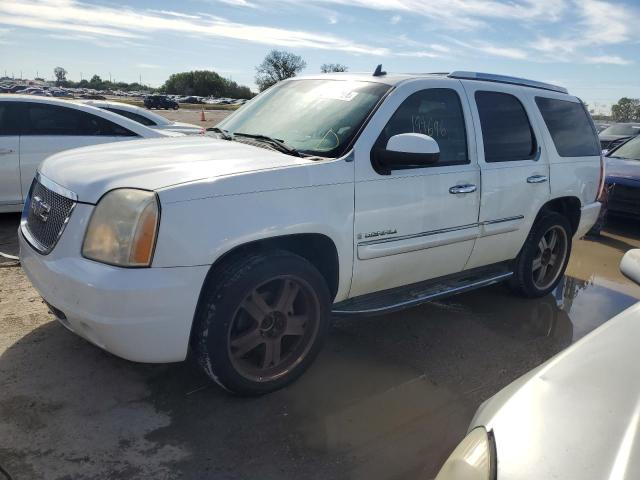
[588, 217]
[143, 315]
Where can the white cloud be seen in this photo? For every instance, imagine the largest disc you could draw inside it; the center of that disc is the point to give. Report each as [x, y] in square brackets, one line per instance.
[238, 3]
[395, 19]
[77, 17]
[148, 65]
[609, 60]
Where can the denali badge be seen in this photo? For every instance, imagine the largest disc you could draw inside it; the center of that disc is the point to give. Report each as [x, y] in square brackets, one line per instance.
[378, 233]
[40, 209]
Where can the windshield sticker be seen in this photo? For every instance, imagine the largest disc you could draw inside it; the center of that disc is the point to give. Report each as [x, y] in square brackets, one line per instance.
[344, 96]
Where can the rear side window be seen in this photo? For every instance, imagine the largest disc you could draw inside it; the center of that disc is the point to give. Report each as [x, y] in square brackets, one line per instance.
[436, 112]
[506, 130]
[8, 119]
[133, 116]
[570, 127]
[44, 119]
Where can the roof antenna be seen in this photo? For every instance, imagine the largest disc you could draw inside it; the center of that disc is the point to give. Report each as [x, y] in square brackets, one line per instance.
[379, 72]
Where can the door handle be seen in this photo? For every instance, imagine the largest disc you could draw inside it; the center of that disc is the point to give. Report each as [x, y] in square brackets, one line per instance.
[6, 151]
[537, 179]
[468, 188]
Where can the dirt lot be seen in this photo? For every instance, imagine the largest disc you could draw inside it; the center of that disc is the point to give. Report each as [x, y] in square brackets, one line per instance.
[388, 398]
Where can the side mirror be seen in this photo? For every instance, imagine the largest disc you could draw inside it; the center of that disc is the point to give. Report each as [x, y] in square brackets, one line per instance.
[406, 150]
[630, 265]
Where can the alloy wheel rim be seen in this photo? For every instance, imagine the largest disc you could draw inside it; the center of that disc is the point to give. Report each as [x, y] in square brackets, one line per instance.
[273, 328]
[550, 258]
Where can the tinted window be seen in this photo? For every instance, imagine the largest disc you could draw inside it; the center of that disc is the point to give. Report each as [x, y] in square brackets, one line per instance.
[570, 127]
[436, 112]
[44, 119]
[506, 130]
[132, 116]
[8, 119]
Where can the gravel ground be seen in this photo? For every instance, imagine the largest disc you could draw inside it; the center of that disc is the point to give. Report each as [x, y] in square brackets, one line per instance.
[388, 398]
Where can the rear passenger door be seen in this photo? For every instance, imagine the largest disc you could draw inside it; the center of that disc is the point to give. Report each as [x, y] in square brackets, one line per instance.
[49, 129]
[514, 169]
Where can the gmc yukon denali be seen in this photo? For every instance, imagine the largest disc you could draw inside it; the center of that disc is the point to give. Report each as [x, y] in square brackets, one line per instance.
[339, 194]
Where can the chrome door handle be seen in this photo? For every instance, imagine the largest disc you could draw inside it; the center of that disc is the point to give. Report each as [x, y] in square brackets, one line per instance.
[537, 179]
[6, 151]
[463, 189]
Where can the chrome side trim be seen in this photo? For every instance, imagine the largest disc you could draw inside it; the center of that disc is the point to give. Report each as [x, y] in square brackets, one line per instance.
[441, 230]
[500, 220]
[425, 298]
[417, 235]
[54, 187]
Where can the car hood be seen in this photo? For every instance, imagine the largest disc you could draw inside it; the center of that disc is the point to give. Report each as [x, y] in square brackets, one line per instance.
[623, 169]
[611, 138]
[578, 414]
[153, 164]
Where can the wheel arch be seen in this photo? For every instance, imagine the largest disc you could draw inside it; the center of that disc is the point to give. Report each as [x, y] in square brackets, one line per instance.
[568, 206]
[317, 248]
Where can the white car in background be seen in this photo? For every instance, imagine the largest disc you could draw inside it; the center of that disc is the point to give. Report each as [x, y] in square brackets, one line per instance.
[147, 117]
[33, 128]
[576, 416]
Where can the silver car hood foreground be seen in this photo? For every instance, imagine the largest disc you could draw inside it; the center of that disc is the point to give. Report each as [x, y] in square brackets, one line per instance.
[152, 164]
[577, 416]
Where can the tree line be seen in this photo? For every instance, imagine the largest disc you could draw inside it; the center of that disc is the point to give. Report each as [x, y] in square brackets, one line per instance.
[277, 65]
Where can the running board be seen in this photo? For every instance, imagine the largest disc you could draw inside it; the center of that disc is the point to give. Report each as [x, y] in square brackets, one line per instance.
[408, 296]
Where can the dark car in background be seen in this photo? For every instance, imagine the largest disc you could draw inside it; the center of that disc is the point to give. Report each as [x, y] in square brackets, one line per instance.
[160, 102]
[617, 134]
[621, 196]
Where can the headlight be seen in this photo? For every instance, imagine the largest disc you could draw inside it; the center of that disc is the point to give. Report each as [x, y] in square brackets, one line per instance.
[123, 227]
[473, 458]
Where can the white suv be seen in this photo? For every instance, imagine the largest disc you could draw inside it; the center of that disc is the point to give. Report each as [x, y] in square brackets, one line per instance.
[350, 193]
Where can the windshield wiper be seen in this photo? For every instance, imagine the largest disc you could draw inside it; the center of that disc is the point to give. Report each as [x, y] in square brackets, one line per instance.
[280, 145]
[223, 133]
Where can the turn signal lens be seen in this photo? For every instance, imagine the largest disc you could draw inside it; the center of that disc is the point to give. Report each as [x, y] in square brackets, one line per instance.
[473, 458]
[123, 228]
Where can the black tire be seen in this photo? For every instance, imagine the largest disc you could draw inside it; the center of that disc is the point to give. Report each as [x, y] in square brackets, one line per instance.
[222, 308]
[526, 279]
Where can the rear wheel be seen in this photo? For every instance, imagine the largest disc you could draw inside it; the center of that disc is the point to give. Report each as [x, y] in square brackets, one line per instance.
[544, 256]
[262, 322]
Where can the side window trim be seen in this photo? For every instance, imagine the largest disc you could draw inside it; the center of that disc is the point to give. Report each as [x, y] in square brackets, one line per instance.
[465, 122]
[536, 148]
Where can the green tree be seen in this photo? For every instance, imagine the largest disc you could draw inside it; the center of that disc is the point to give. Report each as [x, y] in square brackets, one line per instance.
[61, 75]
[204, 83]
[333, 67]
[626, 110]
[276, 66]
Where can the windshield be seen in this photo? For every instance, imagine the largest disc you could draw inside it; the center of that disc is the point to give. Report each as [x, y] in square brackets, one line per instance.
[630, 150]
[626, 129]
[316, 117]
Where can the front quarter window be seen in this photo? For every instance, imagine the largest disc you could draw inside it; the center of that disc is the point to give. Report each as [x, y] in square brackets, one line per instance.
[316, 117]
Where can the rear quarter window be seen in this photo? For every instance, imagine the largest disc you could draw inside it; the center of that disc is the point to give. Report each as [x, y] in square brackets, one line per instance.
[570, 127]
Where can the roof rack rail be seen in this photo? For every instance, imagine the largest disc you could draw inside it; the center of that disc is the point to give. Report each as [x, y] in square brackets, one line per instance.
[490, 77]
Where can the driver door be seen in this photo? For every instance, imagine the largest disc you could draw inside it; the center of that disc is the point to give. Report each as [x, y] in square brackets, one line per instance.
[416, 224]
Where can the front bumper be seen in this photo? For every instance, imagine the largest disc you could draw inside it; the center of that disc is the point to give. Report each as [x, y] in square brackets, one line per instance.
[142, 314]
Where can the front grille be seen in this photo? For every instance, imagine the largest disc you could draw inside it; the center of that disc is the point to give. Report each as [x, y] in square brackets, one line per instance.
[45, 217]
[624, 199]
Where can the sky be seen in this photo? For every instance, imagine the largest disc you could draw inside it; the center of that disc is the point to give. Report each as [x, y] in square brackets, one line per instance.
[588, 46]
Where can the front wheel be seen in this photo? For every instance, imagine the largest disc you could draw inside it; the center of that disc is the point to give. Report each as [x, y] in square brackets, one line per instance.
[544, 256]
[261, 322]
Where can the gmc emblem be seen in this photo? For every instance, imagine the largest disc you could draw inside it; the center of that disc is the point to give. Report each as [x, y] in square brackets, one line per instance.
[40, 208]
